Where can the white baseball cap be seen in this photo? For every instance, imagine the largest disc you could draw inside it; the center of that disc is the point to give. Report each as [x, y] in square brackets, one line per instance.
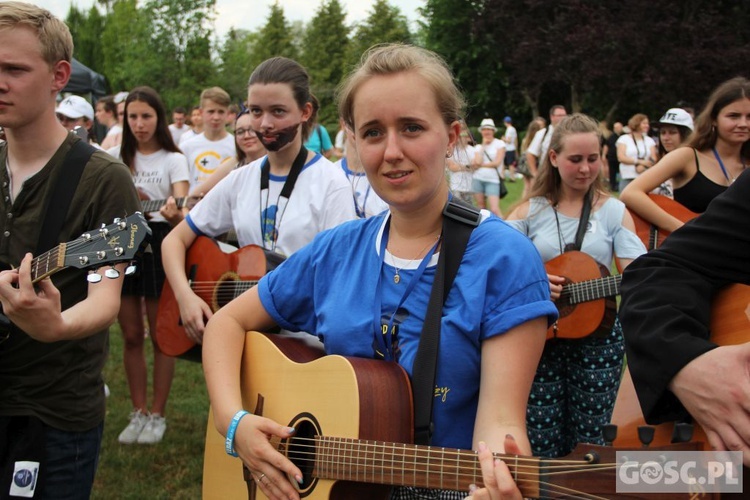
[677, 116]
[488, 123]
[75, 107]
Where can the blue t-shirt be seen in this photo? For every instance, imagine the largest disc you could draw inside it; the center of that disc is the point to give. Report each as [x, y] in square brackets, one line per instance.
[328, 289]
[319, 140]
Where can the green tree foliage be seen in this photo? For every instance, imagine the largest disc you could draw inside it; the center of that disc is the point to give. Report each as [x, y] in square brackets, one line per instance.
[86, 30]
[384, 23]
[164, 44]
[324, 55]
[237, 62]
[275, 38]
[450, 30]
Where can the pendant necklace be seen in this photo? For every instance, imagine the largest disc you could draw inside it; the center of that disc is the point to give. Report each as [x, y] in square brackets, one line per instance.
[730, 179]
[397, 276]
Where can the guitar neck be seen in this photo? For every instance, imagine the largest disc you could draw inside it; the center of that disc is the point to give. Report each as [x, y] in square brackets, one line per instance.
[154, 205]
[48, 263]
[411, 465]
[585, 291]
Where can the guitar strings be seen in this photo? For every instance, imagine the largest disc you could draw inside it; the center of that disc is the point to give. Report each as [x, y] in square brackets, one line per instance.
[527, 473]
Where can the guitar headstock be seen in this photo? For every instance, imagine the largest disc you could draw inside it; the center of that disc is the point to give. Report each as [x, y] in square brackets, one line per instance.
[121, 241]
[593, 469]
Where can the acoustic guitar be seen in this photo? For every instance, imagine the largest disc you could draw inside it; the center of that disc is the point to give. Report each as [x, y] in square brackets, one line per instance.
[353, 430]
[121, 241]
[216, 277]
[587, 302]
[730, 325]
[653, 236]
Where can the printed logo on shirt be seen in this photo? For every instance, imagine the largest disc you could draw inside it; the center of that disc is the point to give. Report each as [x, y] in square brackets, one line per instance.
[207, 162]
[268, 226]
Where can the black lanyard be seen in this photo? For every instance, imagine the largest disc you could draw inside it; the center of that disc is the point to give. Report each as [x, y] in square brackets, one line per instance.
[286, 191]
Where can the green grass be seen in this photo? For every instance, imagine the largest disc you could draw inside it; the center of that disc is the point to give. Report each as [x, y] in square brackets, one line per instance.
[172, 469]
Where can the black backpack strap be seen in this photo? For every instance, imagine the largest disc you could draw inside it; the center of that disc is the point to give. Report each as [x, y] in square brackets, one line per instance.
[459, 220]
[68, 177]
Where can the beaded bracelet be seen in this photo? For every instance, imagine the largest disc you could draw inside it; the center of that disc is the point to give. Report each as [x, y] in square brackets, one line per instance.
[229, 443]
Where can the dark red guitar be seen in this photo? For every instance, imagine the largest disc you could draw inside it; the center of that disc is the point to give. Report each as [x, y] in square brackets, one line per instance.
[217, 278]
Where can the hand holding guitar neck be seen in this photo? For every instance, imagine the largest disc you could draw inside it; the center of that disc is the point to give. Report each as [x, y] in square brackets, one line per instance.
[33, 302]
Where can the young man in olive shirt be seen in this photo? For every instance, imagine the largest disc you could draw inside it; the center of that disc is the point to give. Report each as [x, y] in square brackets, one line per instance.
[51, 390]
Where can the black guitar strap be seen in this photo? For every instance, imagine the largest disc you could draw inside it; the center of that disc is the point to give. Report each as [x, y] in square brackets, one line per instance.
[62, 194]
[459, 220]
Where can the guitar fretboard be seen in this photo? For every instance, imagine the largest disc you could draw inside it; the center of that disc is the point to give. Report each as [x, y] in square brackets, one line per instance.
[585, 291]
[404, 464]
[48, 263]
[154, 205]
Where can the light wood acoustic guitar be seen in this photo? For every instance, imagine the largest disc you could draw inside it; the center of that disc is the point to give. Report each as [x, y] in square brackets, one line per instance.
[587, 303]
[353, 420]
[216, 277]
[653, 236]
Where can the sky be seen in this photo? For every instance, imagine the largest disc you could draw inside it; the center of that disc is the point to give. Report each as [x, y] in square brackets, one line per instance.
[252, 14]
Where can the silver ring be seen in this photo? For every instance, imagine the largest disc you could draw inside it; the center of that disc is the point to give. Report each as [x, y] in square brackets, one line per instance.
[260, 478]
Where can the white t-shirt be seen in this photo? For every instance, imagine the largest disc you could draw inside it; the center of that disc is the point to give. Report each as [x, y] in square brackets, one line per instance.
[177, 133]
[367, 202]
[510, 138]
[204, 155]
[340, 142]
[640, 149]
[155, 174]
[461, 181]
[540, 143]
[114, 130]
[186, 136]
[321, 199]
[489, 154]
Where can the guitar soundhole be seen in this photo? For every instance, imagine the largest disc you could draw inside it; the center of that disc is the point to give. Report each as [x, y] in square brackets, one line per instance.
[226, 290]
[301, 450]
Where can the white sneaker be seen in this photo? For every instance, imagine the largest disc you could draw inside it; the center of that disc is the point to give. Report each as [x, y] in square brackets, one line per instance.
[154, 429]
[130, 434]
[106, 391]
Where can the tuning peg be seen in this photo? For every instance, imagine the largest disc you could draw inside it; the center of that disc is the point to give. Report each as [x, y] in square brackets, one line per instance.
[112, 273]
[609, 433]
[94, 277]
[130, 269]
[682, 433]
[645, 435]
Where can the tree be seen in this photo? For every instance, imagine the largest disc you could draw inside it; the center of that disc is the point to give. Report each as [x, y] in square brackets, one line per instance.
[450, 30]
[275, 37]
[383, 24]
[86, 29]
[237, 61]
[325, 42]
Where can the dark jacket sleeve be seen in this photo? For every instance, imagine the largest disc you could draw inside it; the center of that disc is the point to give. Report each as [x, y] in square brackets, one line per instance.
[667, 293]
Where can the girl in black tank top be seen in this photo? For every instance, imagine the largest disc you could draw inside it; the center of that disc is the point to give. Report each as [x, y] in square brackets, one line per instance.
[715, 154]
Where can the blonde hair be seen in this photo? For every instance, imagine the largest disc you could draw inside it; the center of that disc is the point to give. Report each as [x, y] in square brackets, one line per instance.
[548, 182]
[389, 59]
[217, 95]
[54, 36]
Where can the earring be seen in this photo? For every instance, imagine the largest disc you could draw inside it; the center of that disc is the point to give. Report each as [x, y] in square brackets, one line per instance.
[449, 154]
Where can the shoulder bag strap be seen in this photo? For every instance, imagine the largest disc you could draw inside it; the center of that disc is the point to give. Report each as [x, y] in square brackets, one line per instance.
[459, 220]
